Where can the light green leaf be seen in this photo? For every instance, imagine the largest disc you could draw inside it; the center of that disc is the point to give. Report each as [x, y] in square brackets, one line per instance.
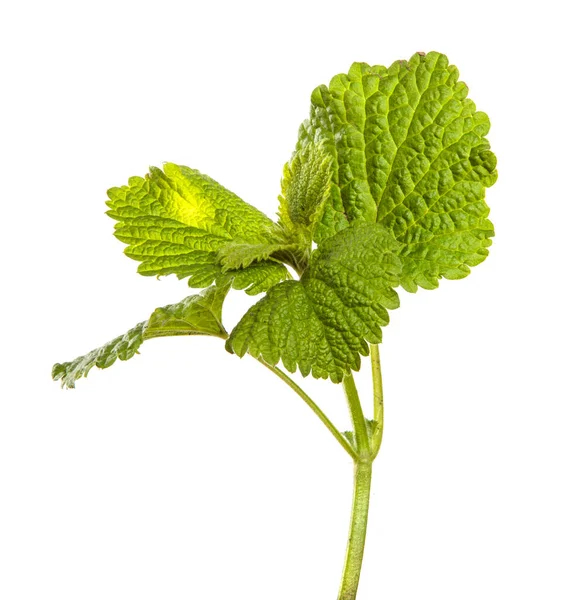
[322, 322]
[258, 277]
[176, 221]
[409, 151]
[306, 187]
[123, 347]
[238, 255]
[200, 314]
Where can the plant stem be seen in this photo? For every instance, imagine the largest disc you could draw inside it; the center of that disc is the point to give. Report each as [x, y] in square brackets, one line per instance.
[357, 532]
[313, 406]
[362, 455]
[357, 417]
[376, 441]
[366, 453]
[377, 381]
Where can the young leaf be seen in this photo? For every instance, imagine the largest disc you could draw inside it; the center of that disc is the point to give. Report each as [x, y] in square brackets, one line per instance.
[306, 188]
[322, 322]
[178, 220]
[199, 314]
[409, 151]
[258, 277]
[123, 347]
[239, 255]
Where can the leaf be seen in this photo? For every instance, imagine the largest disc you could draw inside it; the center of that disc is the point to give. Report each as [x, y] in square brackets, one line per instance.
[123, 347]
[409, 151]
[306, 187]
[199, 314]
[237, 255]
[258, 277]
[322, 322]
[176, 221]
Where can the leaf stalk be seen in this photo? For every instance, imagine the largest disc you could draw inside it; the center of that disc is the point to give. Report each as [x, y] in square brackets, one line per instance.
[363, 453]
[314, 407]
[367, 450]
[378, 393]
[357, 417]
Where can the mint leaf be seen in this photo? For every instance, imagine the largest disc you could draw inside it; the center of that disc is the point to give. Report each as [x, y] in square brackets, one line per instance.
[322, 322]
[176, 221]
[257, 278]
[409, 151]
[199, 314]
[123, 347]
[306, 188]
[239, 255]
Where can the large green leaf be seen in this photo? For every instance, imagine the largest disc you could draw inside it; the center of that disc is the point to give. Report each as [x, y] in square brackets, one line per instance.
[408, 150]
[176, 221]
[322, 322]
[200, 314]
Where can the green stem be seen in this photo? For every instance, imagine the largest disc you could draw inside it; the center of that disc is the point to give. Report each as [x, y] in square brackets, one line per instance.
[357, 417]
[313, 406]
[357, 532]
[363, 455]
[376, 381]
[376, 441]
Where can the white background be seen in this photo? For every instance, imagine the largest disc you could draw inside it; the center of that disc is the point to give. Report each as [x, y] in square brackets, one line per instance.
[188, 473]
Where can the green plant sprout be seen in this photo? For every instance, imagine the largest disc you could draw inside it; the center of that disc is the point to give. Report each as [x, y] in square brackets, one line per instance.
[385, 188]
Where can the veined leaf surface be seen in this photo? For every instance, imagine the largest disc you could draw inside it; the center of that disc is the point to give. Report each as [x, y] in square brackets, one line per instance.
[176, 221]
[322, 322]
[408, 150]
[306, 187]
[200, 314]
